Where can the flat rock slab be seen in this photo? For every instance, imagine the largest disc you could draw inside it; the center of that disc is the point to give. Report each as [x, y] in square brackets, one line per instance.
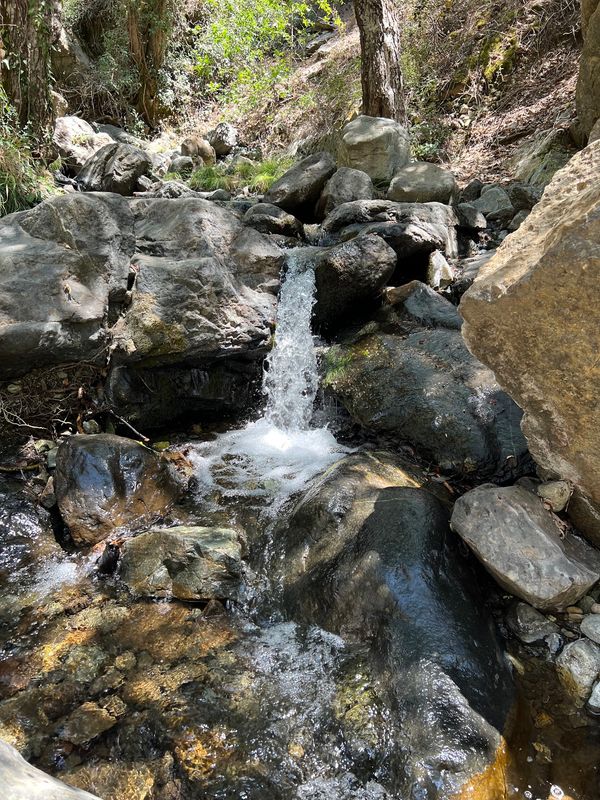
[519, 542]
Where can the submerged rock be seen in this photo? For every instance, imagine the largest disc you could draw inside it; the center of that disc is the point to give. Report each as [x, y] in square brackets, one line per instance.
[522, 544]
[105, 483]
[186, 563]
[528, 624]
[375, 145]
[578, 668]
[299, 188]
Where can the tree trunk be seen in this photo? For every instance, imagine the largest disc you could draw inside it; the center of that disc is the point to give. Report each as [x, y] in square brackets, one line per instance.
[148, 39]
[382, 85]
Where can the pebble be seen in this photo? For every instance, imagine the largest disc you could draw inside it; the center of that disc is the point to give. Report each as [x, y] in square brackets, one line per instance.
[587, 603]
[556, 493]
[14, 388]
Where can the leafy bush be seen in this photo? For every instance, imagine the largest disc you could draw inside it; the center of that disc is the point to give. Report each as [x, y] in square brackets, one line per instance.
[19, 182]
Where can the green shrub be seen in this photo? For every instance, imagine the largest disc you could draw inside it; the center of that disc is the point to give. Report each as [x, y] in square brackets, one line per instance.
[257, 176]
[19, 182]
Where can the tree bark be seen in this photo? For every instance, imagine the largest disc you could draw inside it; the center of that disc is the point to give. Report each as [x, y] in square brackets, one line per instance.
[148, 40]
[381, 72]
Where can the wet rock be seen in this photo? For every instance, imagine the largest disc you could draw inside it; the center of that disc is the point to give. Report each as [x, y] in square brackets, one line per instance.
[76, 141]
[368, 555]
[521, 543]
[349, 276]
[530, 316]
[87, 722]
[197, 148]
[590, 627]
[345, 186]
[115, 168]
[21, 781]
[299, 188]
[421, 182]
[578, 668]
[375, 145]
[528, 624]
[105, 483]
[223, 139]
[267, 218]
[495, 204]
[187, 563]
[129, 781]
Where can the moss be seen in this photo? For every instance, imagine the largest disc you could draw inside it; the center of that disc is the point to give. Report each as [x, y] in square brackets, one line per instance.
[336, 363]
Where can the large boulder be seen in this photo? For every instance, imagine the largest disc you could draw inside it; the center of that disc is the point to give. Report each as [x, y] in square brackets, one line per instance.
[522, 544]
[344, 186]
[588, 84]
[106, 483]
[199, 149]
[495, 204]
[375, 145]
[21, 781]
[423, 183]
[300, 187]
[115, 168]
[531, 315]
[410, 375]
[267, 218]
[349, 277]
[368, 555]
[223, 139]
[76, 141]
[185, 563]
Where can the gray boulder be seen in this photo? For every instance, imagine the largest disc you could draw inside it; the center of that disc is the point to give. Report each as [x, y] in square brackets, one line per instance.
[420, 304]
[185, 563]
[528, 625]
[267, 218]
[115, 168]
[350, 276]
[522, 545]
[182, 165]
[422, 182]
[21, 781]
[76, 141]
[578, 668]
[344, 186]
[300, 187]
[470, 217]
[471, 191]
[223, 139]
[107, 483]
[590, 627]
[495, 205]
[375, 145]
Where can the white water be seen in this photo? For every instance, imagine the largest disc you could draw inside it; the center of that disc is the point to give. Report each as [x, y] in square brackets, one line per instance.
[276, 455]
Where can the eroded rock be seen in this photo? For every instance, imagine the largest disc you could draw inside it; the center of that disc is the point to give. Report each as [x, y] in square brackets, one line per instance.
[115, 168]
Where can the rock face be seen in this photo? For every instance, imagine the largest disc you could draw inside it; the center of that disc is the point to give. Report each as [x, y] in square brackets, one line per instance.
[368, 555]
[77, 141]
[299, 188]
[348, 277]
[105, 483]
[588, 84]
[519, 541]
[423, 183]
[115, 168]
[531, 316]
[21, 781]
[344, 186]
[186, 563]
[422, 385]
[377, 146]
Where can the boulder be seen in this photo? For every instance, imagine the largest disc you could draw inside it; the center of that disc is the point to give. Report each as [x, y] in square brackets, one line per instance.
[588, 83]
[267, 218]
[344, 186]
[300, 187]
[470, 217]
[421, 385]
[223, 139]
[421, 182]
[115, 168]
[197, 148]
[495, 204]
[518, 219]
[76, 141]
[536, 161]
[420, 304]
[578, 668]
[439, 272]
[368, 555]
[524, 196]
[182, 165]
[375, 145]
[471, 191]
[531, 316]
[21, 781]
[523, 546]
[350, 276]
[468, 269]
[185, 563]
[106, 483]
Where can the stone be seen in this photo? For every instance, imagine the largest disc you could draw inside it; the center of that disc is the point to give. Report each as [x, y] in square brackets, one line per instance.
[590, 627]
[185, 563]
[115, 168]
[375, 145]
[422, 305]
[528, 625]
[421, 182]
[470, 217]
[524, 196]
[518, 219]
[423, 387]
[364, 551]
[76, 141]
[350, 276]
[495, 204]
[520, 543]
[223, 139]
[578, 667]
[531, 317]
[593, 704]
[537, 161]
[267, 218]
[199, 149]
[588, 92]
[300, 187]
[21, 781]
[182, 165]
[471, 191]
[86, 723]
[345, 186]
[556, 493]
[439, 273]
[106, 483]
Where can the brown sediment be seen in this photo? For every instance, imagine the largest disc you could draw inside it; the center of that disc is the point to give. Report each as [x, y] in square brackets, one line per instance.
[491, 784]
